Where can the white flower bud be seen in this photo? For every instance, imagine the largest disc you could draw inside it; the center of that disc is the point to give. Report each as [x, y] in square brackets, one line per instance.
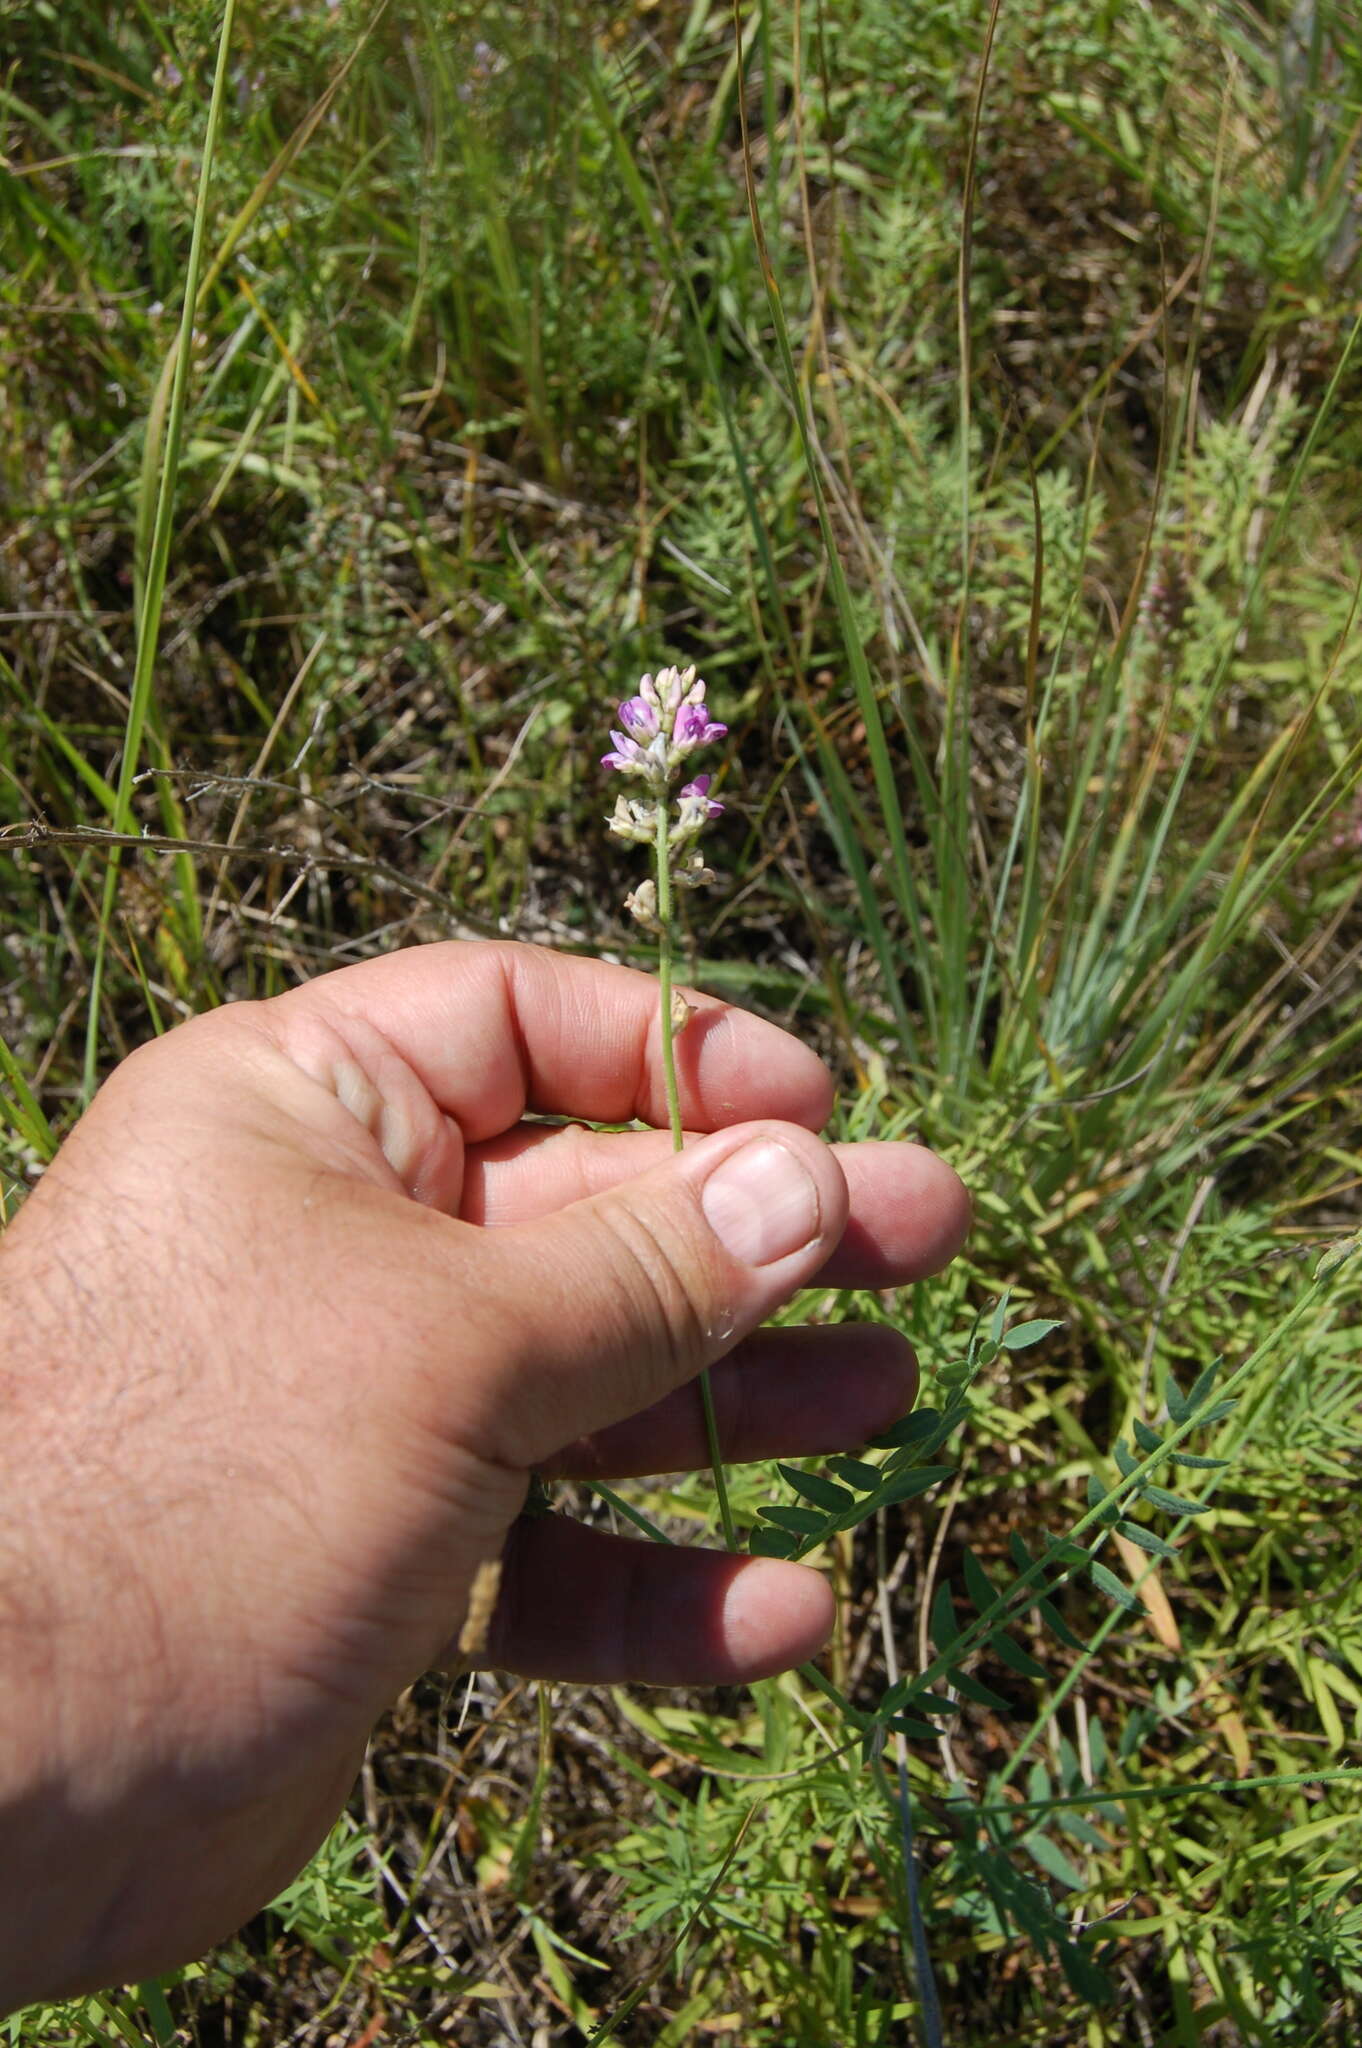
[641, 904]
[633, 820]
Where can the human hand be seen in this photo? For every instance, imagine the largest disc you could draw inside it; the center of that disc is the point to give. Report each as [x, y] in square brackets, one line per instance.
[298, 1308]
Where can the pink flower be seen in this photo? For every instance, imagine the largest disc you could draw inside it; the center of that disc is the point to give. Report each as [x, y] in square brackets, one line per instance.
[695, 728]
[659, 727]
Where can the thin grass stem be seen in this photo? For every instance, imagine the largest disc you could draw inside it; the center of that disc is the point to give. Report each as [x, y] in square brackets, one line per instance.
[153, 587]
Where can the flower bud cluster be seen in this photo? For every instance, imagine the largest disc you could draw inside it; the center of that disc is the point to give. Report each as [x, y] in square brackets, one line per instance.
[664, 723]
[658, 731]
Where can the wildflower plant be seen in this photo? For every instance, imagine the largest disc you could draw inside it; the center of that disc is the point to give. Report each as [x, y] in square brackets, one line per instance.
[659, 730]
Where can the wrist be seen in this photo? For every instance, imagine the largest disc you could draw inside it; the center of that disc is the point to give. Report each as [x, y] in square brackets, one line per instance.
[65, 1667]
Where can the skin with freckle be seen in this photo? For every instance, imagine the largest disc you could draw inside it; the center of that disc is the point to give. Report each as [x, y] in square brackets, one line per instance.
[300, 1306]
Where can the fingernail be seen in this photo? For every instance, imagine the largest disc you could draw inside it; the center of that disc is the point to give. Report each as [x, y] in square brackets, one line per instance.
[761, 1203]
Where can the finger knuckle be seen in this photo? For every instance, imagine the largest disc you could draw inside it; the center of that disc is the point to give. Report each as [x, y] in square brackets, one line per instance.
[664, 1277]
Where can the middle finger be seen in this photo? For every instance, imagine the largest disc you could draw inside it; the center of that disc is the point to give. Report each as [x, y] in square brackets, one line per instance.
[779, 1394]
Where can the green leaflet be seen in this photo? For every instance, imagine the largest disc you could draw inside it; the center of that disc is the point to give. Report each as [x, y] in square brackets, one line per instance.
[1061, 1550]
[914, 1429]
[978, 1584]
[1108, 1583]
[824, 1493]
[1016, 1659]
[1082, 1830]
[857, 1472]
[1023, 1335]
[1145, 1539]
[1172, 1503]
[971, 1688]
[1046, 1608]
[904, 1724]
[932, 1703]
[944, 1627]
[802, 1521]
[1109, 1511]
[906, 1486]
[1183, 1406]
[1058, 1627]
[835, 1507]
[1053, 1861]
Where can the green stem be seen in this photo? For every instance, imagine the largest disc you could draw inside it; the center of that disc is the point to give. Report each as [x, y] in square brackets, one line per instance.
[851, 1715]
[664, 977]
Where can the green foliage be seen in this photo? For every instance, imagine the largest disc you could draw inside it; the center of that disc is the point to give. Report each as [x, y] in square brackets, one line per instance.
[1044, 821]
[861, 1489]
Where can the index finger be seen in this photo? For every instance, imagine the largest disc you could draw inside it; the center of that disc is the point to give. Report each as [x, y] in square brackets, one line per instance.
[493, 1030]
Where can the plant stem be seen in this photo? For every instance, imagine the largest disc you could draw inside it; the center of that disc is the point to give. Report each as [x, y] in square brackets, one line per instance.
[664, 976]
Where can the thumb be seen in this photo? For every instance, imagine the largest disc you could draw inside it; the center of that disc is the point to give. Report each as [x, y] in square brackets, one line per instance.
[606, 1306]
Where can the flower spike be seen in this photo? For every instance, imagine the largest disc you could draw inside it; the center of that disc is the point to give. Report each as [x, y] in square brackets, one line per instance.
[659, 728]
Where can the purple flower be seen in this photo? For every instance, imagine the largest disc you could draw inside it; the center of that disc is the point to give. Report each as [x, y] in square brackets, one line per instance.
[627, 753]
[639, 718]
[637, 759]
[657, 729]
[695, 728]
